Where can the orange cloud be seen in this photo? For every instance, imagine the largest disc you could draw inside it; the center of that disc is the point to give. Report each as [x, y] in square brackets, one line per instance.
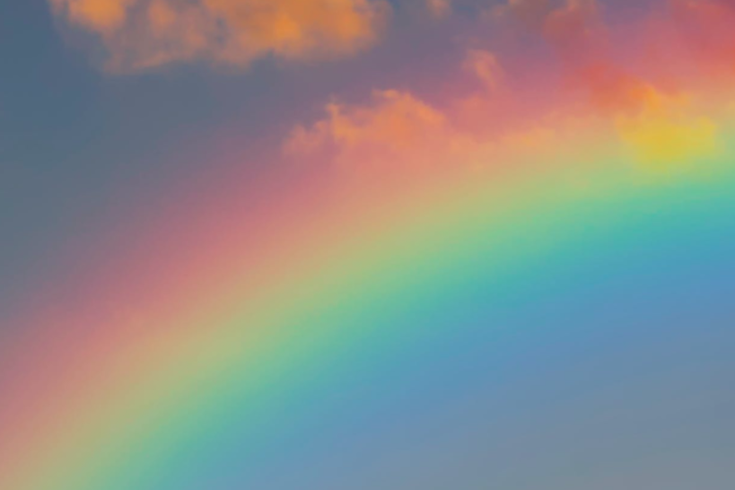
[399, 131]
[104, 15]
[138, 34]
[394, 122]
[439, 8]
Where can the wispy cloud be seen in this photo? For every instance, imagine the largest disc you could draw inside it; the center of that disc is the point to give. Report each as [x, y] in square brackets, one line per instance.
[484, 65]
[393, 121]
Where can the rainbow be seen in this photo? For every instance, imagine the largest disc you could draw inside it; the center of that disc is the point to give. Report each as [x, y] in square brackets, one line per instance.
[205, 339]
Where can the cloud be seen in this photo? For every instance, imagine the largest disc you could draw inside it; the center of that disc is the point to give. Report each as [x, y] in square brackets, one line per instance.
[397, 130]
[569, 25]
[575, 24]
[661, 128]
[485, 66]
[139, 34]
[481, 107]
[439, 8]
[394, 122]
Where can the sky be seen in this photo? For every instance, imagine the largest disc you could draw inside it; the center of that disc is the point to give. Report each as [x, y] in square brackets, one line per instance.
[360, 244]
